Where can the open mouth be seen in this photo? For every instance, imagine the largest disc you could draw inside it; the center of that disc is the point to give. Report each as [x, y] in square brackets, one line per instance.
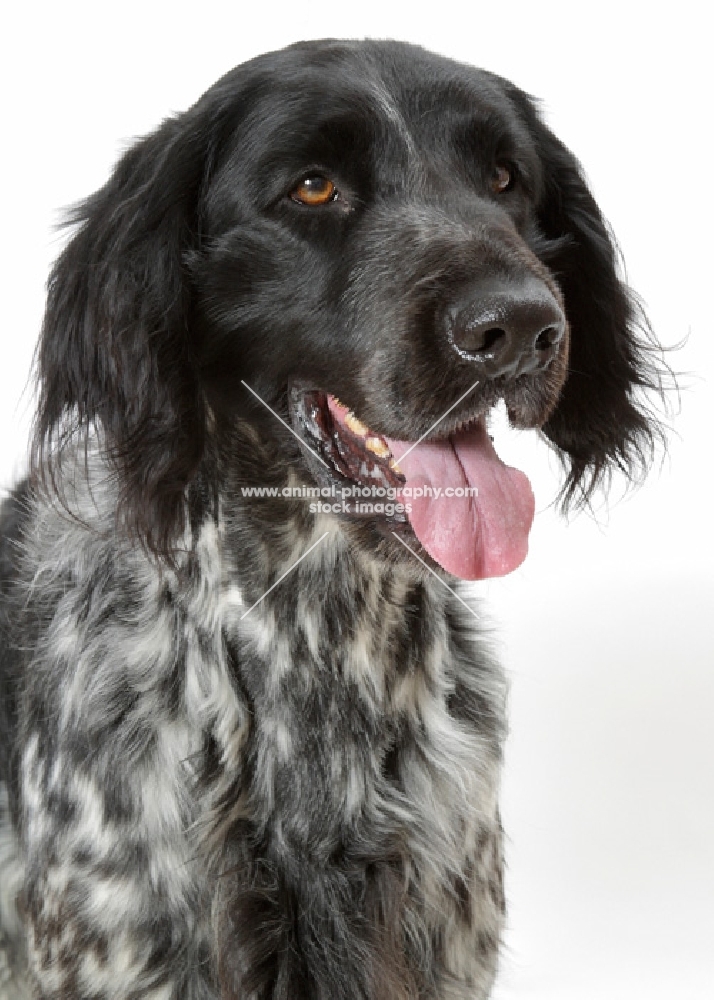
[468, 511]
[353, 456]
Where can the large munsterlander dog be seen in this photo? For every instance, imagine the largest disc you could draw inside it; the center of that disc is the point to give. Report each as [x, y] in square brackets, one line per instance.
[250, 748]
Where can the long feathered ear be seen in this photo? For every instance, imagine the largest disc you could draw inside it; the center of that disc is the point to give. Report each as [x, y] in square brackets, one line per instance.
[602, 420]
[115, 352]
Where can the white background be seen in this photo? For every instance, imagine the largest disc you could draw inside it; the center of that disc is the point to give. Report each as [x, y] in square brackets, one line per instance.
[607, 629]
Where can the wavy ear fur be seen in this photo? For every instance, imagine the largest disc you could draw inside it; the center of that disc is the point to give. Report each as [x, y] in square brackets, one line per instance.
[602, 420]
[115, 351]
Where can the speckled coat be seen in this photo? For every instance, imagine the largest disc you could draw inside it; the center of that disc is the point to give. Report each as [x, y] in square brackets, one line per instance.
[298, 803]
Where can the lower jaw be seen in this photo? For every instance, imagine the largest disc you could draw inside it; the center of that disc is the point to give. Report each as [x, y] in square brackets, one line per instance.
[328, 461]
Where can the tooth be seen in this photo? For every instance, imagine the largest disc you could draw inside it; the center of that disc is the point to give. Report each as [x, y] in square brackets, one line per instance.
[394, 467]
[377, 447]
[355, 425]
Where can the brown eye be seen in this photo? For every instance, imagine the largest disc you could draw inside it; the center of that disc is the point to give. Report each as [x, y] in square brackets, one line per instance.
[314, 190]
[502, 178]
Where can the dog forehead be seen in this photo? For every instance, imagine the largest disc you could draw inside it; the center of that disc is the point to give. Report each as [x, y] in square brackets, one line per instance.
[403, 88]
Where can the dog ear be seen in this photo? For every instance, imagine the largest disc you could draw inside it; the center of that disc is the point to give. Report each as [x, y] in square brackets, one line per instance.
[115, 352]
[602, 420]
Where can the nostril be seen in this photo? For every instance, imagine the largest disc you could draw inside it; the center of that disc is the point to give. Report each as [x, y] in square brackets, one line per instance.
[477, 341]
[548, 338]
[491, 338]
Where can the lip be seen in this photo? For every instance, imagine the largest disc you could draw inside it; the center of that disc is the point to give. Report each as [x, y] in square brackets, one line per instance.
[337, 458]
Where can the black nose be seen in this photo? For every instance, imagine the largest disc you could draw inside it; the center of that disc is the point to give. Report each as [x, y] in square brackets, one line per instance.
[507, 328]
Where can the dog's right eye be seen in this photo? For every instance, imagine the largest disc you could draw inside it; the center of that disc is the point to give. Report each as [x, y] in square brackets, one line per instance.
[314, 190]
[503, 178]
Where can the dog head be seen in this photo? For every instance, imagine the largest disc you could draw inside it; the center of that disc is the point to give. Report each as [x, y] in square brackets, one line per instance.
[378, 245]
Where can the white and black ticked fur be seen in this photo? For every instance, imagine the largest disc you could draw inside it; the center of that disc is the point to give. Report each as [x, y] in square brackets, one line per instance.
[302, 802]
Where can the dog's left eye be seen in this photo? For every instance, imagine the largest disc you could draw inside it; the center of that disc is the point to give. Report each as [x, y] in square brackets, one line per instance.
[314, 190]
[502, 178]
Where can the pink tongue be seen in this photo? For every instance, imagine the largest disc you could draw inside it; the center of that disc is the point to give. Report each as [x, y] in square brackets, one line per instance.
[472, 537]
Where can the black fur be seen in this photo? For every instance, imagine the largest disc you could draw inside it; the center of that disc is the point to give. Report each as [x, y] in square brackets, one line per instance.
[296, 800]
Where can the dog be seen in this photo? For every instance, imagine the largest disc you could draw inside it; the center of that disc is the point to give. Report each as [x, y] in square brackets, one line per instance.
[251, 724]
